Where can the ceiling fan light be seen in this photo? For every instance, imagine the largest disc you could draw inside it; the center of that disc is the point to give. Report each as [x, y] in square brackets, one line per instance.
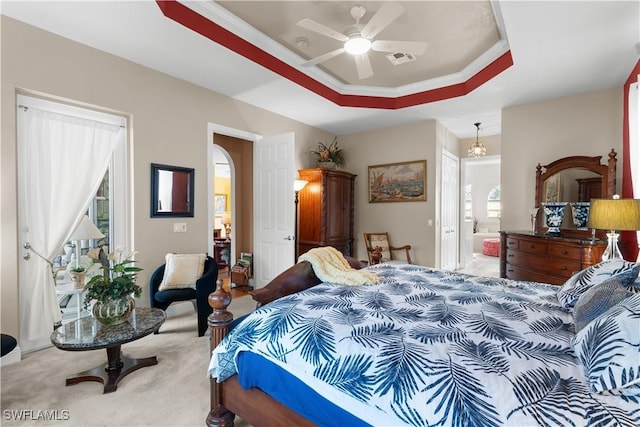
[357, 46]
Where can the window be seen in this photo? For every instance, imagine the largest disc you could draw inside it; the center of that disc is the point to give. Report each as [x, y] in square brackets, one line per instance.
[100, 209]
[493, 202]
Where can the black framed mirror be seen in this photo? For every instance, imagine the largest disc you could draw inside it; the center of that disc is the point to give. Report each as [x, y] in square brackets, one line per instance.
[171, 191]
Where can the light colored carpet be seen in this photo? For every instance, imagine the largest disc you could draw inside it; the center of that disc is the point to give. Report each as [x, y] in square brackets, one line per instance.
[175, 392]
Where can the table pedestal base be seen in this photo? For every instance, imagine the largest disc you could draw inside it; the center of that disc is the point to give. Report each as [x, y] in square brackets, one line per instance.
[117, 367]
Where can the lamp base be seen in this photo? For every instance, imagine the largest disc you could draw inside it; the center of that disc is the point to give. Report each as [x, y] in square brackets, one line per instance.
[612, 251]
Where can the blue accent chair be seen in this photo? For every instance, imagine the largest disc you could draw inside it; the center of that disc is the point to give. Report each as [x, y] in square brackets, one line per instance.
[199, 296]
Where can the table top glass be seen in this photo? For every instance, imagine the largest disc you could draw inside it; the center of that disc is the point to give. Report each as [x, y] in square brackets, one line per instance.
[89, 334]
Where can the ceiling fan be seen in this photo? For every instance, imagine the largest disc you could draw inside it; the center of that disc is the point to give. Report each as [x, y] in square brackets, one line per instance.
[358, 39]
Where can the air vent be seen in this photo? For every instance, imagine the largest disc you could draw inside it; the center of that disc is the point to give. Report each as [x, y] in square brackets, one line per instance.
[400, 58]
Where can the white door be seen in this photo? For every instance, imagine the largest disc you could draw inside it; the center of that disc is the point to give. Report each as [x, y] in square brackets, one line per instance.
[274, 207]
[449, 212]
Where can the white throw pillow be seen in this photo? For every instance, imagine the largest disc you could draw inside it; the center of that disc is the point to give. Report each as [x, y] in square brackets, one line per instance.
[182, 271]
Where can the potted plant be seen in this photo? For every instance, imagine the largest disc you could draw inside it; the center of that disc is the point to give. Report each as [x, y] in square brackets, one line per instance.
[328, 156]
[78, 275]
[113, 289]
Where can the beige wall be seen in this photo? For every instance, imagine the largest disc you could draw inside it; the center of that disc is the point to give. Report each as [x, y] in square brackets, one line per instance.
[588, 125]
[406, 222]
[168, 125]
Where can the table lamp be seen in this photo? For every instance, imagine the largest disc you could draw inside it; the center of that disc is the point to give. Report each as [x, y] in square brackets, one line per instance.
[614, 215]
[86, 230]
[226, 221]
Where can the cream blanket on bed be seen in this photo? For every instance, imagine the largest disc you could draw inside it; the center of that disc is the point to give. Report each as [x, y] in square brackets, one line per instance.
[330, 266]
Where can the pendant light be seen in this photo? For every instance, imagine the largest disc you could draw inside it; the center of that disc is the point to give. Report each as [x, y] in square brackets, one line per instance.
[477, 149]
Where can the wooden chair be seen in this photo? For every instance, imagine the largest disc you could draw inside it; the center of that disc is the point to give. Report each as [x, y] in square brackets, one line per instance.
[380, 250]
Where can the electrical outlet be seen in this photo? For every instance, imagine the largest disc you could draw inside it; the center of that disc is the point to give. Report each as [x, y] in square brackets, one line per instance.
[179, 227]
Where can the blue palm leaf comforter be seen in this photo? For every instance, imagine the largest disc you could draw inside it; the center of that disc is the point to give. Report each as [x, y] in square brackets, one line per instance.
[429, 347]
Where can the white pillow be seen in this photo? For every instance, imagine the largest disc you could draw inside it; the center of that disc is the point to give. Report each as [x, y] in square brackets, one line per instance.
[182, 271]
[580, 282]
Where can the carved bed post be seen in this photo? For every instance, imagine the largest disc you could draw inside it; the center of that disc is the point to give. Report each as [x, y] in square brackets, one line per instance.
[220, 324]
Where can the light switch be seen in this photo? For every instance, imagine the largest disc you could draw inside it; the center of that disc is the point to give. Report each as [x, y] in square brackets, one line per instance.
[179, 227]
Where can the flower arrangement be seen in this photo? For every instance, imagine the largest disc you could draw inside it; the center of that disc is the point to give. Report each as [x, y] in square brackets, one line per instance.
[329, 153]
[118, 278]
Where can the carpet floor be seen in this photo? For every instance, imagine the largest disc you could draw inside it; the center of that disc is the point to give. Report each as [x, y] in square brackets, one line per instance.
[175, 392]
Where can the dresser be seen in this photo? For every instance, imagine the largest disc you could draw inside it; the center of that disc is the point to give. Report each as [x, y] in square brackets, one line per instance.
[326, 208]
[540, 258]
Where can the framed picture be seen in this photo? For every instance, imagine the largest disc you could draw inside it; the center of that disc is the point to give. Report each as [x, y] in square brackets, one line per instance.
[398, 182]
[220, 203]
[552, 188]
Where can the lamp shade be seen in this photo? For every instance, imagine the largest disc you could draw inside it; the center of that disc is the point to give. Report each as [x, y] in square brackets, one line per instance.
[226, 218]
[614, 214]
[86, 230]
[299, 184]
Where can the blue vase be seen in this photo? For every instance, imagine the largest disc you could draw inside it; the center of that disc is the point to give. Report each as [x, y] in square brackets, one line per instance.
[554, 215]
[580, 212]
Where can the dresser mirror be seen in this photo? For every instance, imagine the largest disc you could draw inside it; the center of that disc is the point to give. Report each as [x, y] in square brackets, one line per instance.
[574, 179]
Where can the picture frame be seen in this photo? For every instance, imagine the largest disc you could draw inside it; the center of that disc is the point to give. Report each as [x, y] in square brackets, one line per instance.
[552, 188]
[398, 182]
[220, 203]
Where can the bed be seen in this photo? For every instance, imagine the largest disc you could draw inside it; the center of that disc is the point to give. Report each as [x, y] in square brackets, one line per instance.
[422, 347]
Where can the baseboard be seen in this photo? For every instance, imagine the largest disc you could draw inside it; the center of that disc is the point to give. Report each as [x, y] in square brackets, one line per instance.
[13, 356]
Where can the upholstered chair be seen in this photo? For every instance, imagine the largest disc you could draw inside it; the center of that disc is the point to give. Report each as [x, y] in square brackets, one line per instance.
[199, 296]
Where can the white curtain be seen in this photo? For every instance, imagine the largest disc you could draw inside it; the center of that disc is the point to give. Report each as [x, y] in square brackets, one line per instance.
[62, 162]
[634, 140]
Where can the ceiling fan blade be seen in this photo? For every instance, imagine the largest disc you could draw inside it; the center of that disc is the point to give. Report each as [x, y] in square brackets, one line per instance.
[383, 17]
[322, 58]
[363, 66]
[413, 48]
[316, 27]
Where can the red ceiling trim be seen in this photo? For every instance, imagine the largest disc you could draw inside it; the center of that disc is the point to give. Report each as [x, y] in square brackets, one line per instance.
[214, 32]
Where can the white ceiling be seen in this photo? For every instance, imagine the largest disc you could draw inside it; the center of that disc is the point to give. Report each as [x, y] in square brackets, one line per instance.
[558, 49]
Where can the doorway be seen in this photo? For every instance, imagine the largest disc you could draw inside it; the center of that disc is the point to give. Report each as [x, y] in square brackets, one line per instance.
[223, 201]
[47, 131]
[480, 216]
[269, 207]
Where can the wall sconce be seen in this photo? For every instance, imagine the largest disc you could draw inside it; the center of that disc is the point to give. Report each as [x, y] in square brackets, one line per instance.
[298, 185]
[613, 215]
[226, 221]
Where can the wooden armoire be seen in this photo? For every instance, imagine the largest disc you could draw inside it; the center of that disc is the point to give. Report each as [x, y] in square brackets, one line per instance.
[326, 208]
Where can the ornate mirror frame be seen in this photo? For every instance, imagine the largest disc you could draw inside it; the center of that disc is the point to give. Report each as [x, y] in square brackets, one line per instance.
[606, 171]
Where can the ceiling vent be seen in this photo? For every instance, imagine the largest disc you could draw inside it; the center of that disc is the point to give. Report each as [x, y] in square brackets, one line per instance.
[400, 58]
